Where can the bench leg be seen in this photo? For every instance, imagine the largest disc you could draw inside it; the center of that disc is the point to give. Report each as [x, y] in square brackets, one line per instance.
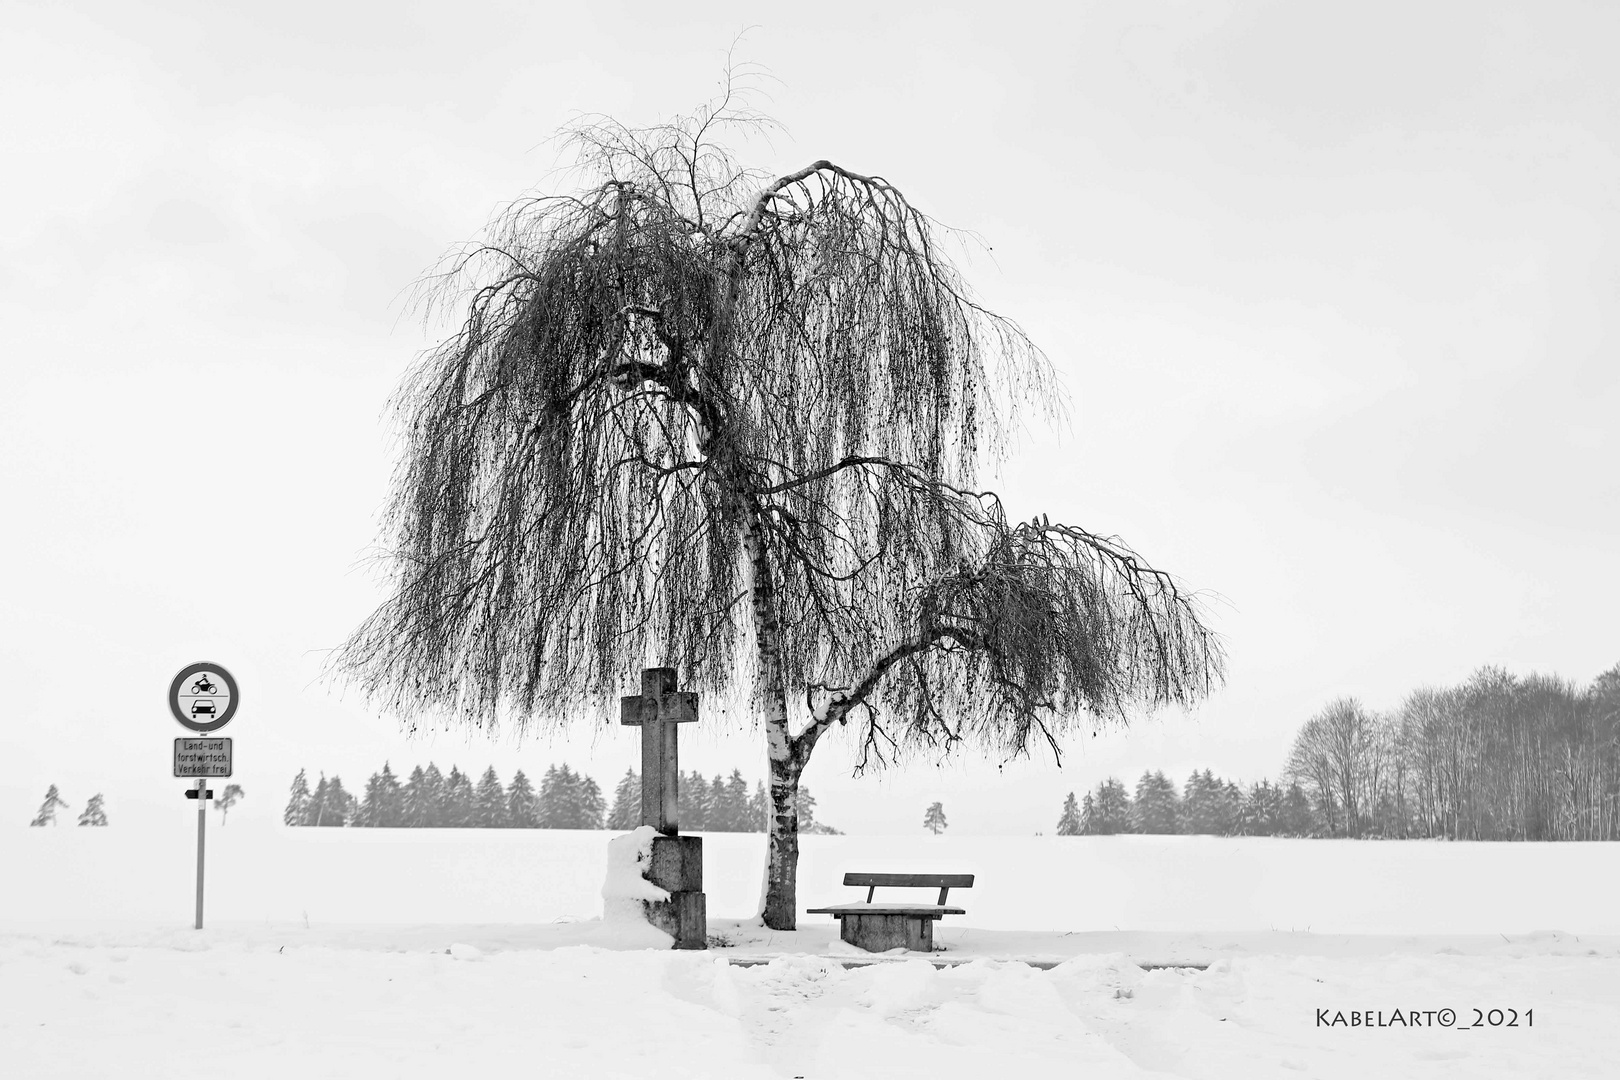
[880, 933]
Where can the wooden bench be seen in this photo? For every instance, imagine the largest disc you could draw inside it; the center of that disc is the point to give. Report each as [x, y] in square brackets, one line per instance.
[881, 927]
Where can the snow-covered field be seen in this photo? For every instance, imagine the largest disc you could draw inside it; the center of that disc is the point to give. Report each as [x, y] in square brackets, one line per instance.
[373, 953]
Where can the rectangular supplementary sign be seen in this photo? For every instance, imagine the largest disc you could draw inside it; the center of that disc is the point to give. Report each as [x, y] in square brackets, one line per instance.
[202, 757]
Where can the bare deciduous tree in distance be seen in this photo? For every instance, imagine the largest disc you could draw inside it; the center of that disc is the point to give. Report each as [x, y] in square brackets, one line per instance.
[1337, 753]
[228, 798]
[704, 418]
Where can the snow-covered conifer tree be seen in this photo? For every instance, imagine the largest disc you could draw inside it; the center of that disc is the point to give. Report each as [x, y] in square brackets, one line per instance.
[522, 805]
[737, 803]
[1069, 823]
[412, 801]
[590, 805]
[713, 800]
[1197, 811]
[47, 809]
[318, 812]
[1229, 808]
[626, 812]
[1209, 807]
[1297, 818]
[1156, 808]
[489, 802]
[94, 812]
[297, 812]
[458, 799]
[759, 808]
[1261, 810]
[1088, 815]
[552, 798]
[371, 803]
[692, 802]
[332, 805]
[1111, 809]
[436, 814]
[804, 805]
[391, 801]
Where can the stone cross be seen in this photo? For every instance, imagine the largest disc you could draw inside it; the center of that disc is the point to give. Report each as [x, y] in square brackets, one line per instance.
[657, 710]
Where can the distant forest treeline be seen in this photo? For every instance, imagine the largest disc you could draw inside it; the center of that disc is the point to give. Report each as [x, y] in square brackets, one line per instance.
[1497, 758]
[565, 800]
[1209, 806]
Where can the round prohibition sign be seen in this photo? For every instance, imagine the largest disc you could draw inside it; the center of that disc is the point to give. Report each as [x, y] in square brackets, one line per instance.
[203, 697]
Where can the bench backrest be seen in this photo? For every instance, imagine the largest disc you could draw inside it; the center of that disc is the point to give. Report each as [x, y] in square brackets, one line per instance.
[943, 882]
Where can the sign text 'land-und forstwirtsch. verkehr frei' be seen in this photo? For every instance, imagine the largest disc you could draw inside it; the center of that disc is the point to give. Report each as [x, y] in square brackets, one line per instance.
[202, 757]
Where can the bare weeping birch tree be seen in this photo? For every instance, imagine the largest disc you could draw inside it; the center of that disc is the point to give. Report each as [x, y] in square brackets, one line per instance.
[707, 418]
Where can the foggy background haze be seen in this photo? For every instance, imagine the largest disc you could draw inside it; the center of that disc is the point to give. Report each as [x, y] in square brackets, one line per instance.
[1332, 290]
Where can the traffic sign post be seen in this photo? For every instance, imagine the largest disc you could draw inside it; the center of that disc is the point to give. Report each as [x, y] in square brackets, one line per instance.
[202, 822]
[203, 697]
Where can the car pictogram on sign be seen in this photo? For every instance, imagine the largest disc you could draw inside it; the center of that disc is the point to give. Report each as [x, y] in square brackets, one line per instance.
[198, 708]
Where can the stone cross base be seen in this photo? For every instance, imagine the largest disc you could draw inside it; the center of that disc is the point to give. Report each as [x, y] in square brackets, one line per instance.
[684, 916]
[677, 866]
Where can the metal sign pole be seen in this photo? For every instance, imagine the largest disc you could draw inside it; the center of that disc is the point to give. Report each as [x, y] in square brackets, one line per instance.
[203, 697]
[202, 820]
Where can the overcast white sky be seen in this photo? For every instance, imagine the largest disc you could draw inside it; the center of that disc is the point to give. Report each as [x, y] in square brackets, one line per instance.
[1333, 288]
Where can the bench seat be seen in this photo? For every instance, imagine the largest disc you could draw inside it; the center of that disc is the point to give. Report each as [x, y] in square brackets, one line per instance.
[926, 910]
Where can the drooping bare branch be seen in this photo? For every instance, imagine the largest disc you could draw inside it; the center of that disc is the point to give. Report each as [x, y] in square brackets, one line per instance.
[1051, 626]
